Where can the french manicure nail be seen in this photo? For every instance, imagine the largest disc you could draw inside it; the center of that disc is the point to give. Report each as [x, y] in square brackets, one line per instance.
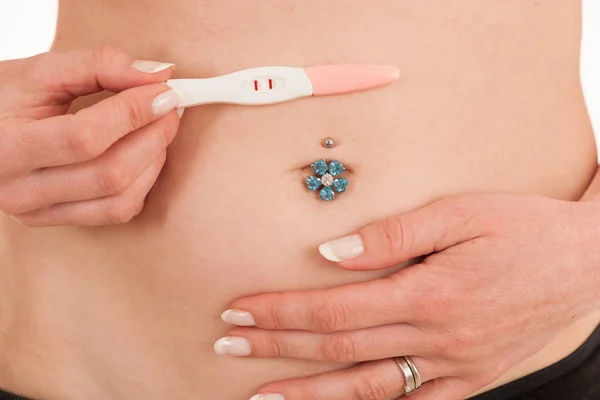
[342, 249]
[238, 317]
[267, 396]
[151, 67]
[165, 102]
[232, 346]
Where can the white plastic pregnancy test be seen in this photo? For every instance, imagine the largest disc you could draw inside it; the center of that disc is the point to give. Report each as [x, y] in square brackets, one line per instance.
[270, 85]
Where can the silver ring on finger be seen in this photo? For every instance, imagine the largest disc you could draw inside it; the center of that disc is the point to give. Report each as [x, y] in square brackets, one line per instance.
[412, 378]
[413, 367]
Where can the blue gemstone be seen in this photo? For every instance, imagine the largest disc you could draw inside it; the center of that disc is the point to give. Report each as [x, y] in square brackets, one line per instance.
[313, 183]
[336, 168]
[340, 185]
[320, 167]
[327, 193]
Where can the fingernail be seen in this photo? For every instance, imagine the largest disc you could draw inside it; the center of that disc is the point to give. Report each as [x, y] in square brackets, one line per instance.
[342, 249]
[232, 346]
[238, 317]
[267, 396]
[180, 111]
[151, 67]
[165, 102]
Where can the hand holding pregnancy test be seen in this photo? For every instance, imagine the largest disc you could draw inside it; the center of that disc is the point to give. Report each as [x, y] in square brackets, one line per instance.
[77, 148]
[271, 85]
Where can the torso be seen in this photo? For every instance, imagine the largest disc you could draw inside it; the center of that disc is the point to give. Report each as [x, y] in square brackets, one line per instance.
[489, 100]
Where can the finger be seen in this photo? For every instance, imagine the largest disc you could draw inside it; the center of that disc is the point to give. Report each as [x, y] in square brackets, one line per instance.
[378, 380]
[106, 211]
[343, 347]
[67, 75]
[388, 242]
[110, 174]
[69, 139]
[350, 307]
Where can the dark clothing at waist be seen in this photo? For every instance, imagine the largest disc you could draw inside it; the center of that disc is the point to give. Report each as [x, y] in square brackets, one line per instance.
[576, 377]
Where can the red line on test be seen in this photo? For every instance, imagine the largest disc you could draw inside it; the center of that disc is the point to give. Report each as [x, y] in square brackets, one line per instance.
[270, 83]
[256, 85]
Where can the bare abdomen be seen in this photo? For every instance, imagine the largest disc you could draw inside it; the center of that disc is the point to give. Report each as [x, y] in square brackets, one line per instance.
[489, 100]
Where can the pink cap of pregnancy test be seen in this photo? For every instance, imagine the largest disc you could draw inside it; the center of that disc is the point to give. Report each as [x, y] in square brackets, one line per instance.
[338, 79]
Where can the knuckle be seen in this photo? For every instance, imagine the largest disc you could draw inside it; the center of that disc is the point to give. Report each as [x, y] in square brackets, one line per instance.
[372, 388]
[464, 212]
[112, 180]
[393, 231]
[129, 110]
[82, 141]
[121, 212]
[329, 317]
[339, 348]
[455, 344]
[275, 312]
[276, 348]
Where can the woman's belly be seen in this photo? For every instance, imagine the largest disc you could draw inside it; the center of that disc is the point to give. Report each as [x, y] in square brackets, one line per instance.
[489, 100]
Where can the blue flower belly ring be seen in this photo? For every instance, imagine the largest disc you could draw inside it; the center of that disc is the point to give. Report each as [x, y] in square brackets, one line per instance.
[327, 179]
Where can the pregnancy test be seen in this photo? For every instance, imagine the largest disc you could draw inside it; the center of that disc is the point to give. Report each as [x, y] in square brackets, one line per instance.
[271, 85]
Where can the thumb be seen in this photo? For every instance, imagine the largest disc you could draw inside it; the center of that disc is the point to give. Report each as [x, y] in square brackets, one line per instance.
[393, 240]
[64, 76]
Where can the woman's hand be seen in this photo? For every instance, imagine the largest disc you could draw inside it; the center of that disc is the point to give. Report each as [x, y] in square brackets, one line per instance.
[93, 167]
[505, 274]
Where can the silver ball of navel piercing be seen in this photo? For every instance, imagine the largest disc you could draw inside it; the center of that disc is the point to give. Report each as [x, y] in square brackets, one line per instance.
[328, 143]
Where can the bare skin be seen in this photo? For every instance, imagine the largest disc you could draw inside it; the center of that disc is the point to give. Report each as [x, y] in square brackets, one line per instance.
[489, 101]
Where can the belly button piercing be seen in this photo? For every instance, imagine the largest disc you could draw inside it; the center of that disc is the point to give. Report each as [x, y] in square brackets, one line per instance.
[328, 143]
[327, 179]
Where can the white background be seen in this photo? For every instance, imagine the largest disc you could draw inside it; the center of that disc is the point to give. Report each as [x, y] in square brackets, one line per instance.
[27, 28]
